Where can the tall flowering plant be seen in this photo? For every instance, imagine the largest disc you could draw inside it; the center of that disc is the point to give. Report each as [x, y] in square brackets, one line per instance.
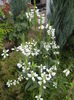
[39, 68]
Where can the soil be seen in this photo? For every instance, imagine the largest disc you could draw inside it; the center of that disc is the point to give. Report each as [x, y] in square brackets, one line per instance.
[8, 44]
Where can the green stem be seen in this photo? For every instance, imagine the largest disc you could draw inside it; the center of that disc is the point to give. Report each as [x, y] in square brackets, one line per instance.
[35, 17]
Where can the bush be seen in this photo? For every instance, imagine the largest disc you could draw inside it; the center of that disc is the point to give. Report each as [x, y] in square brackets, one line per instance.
[7, 70]
[18, 6]
[41, 71]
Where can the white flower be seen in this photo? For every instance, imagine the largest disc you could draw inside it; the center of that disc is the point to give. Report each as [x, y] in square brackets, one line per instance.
[44, 87]
[23, 70]
[55, 84]
[53, 32]
[32, 10]
[46, 26]
[40, 83]
[48, 32]
[17, 82]
[12, 49]
[53, 68]
[48, 77]
[50, 27]
[44, 81]
[38, 15]
[32, 75]
[56, 52]
[67, 72]
[58, 62]
[14, 82]
[37, 11]
[42, 15]
[33, 78]
[46, 46]
[26, 78]
[29, 75]
[39, 78]
[41, 27]
[20, 78]
[8, 84]
[39, 97]
[36, 7]
[51, 72]
[27, 15]
[5, 53]
[29, 63]
[20, 64]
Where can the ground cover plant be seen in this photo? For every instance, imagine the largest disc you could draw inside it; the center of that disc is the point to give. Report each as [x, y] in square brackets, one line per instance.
[35, 69]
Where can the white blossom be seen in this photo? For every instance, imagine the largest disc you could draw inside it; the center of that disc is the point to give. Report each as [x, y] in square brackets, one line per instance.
[46, 26]
[32, 75]
[5, 53]
[29, 49]
[46, 46]
[55, 84]
[40, 83]
[41, 27]
[39, 97]
[20, 64]
[41, 20]
[67, 72]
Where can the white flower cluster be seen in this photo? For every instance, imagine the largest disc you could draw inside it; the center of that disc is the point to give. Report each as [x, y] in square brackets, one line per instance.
[30, 14]
[46, 46]
[24, 69]
[23, 66]
[29, 49]
[42, 78]
[67, 72]
[20, 64]
[45, 75]
[39, 17]
[51, 32]
[41, 21]
[14, 82]
[5, 53]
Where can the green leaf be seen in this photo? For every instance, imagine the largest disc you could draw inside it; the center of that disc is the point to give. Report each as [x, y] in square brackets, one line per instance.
[29, 83]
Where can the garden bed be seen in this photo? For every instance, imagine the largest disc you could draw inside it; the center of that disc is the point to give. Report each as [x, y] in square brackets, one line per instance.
[32, 65]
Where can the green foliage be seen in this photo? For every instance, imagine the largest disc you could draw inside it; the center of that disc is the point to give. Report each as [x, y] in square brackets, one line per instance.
[20, 28]
[4, 30]
[7, 69]
[26, 91]
[17, 6]
[63, 19]
[1, 13]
